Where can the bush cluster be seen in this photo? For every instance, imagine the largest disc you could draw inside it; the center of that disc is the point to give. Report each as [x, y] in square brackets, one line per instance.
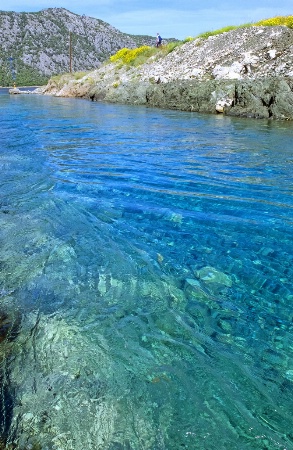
[275, 21]
[188, 39]
[138, 56]
[134, 56]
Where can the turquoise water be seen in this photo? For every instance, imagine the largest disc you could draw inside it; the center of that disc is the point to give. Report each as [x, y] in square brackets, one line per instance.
[146, 278]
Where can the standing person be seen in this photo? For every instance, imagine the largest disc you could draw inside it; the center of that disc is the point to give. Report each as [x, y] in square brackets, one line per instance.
[158, 40]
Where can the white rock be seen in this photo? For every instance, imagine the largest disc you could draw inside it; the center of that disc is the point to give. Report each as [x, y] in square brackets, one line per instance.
[250, 59]
[197, 72]
[221, 104]
[226, 72]
[272, 53]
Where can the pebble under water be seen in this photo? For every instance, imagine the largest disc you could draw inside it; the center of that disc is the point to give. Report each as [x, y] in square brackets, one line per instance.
[146, 278]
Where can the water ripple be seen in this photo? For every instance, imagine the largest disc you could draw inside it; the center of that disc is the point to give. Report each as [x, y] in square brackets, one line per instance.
[149, 256]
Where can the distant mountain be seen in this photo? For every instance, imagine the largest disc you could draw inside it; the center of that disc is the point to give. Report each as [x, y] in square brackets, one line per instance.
[34, 46]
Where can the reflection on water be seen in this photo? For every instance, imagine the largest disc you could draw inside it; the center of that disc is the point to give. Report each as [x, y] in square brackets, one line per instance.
[146, 278]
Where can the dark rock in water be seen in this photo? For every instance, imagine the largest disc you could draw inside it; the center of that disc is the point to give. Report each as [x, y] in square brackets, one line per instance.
[3, 446]
[9, 324]
[4, 326]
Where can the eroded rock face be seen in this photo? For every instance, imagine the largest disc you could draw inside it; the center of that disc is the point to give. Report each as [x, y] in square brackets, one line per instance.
[262, 99]
[245, 72]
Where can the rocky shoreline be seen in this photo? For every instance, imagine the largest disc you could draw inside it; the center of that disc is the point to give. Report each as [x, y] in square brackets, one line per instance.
[245, 72]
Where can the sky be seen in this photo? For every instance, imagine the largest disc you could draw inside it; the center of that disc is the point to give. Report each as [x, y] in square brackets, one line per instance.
[171, 18]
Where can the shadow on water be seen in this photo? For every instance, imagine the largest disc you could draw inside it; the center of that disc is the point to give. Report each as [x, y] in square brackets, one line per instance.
[9, 328]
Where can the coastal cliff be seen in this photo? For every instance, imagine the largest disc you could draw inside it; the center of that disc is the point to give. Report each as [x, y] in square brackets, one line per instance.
[245, 72]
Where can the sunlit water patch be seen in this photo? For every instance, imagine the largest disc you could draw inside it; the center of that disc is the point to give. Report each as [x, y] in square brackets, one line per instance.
[146, 278]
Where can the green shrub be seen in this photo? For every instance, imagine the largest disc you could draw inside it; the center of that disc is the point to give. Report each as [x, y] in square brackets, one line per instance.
[278, 20]
[207, 34]
[188, 39]
[90, 80]
[79, 75]
[134, 57]
[168, 48]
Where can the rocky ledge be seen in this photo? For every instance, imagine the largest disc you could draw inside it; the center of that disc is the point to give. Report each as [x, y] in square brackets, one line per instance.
[16, 91]
[245, 72]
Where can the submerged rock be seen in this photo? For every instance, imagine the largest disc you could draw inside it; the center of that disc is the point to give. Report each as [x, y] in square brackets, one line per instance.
[211, 275]
[9, 324]
[193, 289]
[76, 381]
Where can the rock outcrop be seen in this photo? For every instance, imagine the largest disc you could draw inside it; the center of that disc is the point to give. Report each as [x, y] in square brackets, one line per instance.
[245, 72]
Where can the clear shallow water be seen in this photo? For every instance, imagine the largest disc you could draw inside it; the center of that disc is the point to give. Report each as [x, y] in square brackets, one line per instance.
[146, 273]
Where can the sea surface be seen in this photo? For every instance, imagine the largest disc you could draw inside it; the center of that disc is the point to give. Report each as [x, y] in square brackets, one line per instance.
[146, 278]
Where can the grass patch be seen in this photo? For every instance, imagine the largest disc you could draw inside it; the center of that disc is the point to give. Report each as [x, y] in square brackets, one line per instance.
[61, 79]
[74, 76]
[79, 75]
[273, 22]
[207, 34]
[168, 48]
[188, 39]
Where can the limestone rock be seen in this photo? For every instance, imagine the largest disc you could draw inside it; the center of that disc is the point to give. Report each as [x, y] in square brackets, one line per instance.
[245, 72]
[209, 275]
[193, 289]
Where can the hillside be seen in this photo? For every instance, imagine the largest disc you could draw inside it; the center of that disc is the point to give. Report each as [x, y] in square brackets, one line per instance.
[34, 46]
[246, 72]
